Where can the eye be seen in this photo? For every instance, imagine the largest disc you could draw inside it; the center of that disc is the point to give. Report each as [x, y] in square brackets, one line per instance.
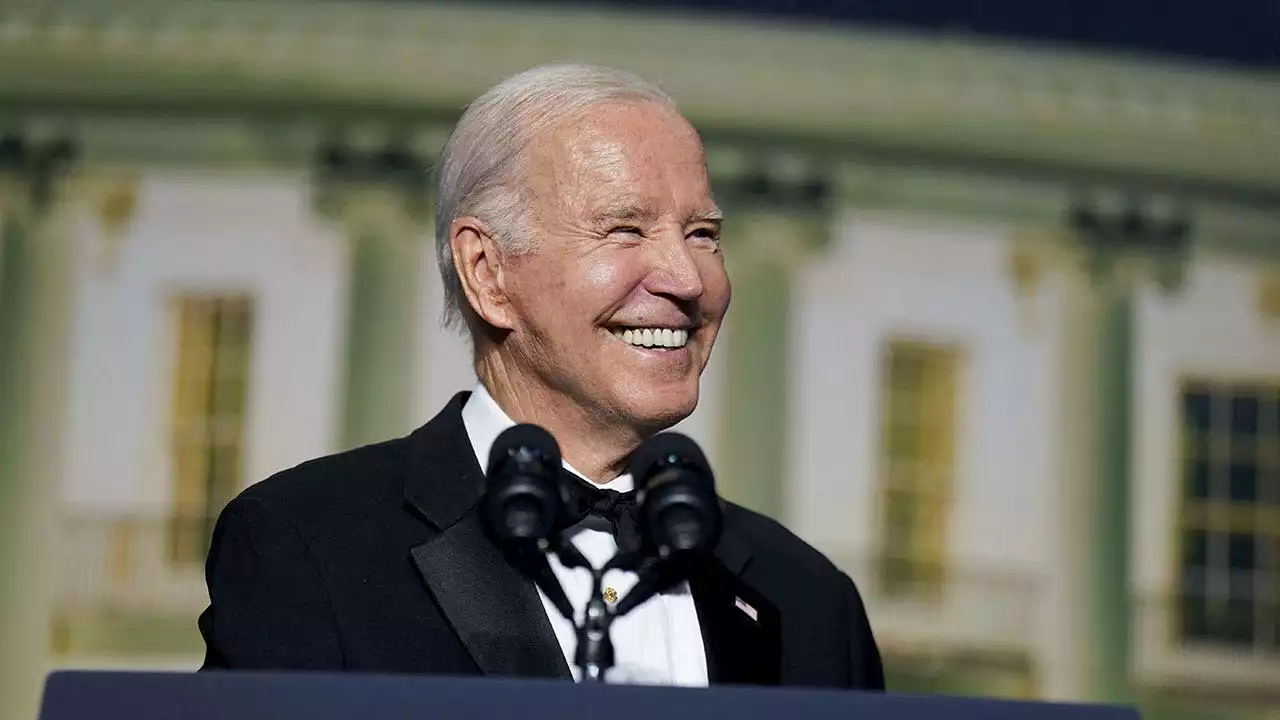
[706, 234]
[626, 230]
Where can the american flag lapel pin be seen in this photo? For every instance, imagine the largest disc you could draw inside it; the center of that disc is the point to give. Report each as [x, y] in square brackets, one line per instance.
[746, 609]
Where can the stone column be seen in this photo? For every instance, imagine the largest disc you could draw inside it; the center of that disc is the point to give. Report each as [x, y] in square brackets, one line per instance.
[1116, 247]
[772, 225]
[381, 201]
[37, 289]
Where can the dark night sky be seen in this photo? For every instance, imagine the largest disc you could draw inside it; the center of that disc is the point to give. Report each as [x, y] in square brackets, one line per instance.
[1236, 32]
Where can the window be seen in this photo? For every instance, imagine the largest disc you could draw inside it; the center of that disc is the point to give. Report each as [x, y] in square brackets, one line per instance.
[1230, 536]
[918, 467]
[207, 426]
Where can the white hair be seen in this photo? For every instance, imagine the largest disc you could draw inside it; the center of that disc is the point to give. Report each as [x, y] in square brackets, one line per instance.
[479, 166]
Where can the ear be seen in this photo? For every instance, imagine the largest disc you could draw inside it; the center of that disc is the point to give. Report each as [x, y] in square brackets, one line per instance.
[478, 262]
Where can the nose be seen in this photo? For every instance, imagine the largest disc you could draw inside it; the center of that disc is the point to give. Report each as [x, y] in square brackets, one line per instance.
[673, 271]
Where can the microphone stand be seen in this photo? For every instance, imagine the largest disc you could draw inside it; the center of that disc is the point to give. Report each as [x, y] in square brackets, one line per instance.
[594, 655]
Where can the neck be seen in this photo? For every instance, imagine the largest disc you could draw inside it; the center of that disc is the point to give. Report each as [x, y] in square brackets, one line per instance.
[596, 446]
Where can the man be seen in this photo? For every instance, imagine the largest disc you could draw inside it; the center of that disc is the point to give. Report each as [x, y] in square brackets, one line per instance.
[579, 244]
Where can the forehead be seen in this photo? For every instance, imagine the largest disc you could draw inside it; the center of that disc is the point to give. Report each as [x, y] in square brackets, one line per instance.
[640, 152]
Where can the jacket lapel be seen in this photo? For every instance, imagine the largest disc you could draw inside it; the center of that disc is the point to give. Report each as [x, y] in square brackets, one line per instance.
[741, 629]
[493, 608]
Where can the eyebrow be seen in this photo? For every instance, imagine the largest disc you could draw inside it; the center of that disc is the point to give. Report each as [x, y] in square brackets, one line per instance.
[625, 211]
[713, 215]
[631, 211]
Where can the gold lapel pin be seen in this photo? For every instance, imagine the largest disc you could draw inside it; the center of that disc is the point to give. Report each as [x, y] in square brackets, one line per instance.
[610, 595]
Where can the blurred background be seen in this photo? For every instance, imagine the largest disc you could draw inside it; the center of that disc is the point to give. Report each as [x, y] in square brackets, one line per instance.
[1005, 340]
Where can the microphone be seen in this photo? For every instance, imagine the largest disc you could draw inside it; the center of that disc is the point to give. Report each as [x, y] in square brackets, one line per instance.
[522, 499]
[522, 504]
[680, 517]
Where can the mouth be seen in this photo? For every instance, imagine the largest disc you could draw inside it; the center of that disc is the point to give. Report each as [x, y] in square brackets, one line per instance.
[653, 338]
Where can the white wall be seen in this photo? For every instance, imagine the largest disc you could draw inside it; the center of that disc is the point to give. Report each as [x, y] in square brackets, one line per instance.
[191, 231]
[887, 277]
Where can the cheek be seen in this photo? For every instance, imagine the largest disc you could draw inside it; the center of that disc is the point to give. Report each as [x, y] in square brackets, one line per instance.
[530, 280]
[717, 290]
[561, 297]
[599, 286]
[604, 274]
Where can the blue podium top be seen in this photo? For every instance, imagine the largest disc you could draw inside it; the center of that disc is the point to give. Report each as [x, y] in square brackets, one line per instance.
[76, 695]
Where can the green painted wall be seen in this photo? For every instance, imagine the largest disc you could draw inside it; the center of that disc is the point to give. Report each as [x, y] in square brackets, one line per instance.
[754, 422]
[1112, 598]
[381, 352]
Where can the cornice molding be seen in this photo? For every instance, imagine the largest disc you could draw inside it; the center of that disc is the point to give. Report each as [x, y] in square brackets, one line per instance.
[421, 62]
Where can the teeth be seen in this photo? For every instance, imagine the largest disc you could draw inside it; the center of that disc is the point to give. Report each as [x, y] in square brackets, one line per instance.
[653, 337]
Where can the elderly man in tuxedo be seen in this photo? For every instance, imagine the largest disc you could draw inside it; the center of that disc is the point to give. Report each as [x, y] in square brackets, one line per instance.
[579, 245]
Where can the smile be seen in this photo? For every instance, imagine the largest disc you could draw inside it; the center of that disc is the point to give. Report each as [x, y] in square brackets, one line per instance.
[653, 337]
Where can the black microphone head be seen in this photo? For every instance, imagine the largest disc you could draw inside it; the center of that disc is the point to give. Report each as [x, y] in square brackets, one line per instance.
[680, 515]
[669, 449]
[526, 437]
[522, 495]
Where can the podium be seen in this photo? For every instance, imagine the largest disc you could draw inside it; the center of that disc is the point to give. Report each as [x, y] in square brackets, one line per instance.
[81, 695]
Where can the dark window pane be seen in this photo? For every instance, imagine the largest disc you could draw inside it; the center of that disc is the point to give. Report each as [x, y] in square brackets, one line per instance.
[1243, 584]
[1269, 483]
[1195, 548]
[1195, 581]
[1244, 482]
[1195, 617]
[1275, 411]
[1244, 415]
[1198, 479]
[1195, 405]
[1238, 623]
[1242, 552]
[1273, 643]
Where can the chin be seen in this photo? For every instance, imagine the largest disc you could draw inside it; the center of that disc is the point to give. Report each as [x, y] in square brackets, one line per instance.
[658, 410]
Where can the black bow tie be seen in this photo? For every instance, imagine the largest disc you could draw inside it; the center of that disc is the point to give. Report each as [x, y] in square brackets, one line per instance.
[585, 503]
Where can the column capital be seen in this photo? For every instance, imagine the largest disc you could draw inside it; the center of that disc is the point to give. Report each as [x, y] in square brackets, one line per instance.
[778, 204]
[33, 172]
[385, 189]
[785, 181]
[1121, 237]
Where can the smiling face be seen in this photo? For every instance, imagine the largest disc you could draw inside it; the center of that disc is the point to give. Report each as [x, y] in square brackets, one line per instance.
[617, 308]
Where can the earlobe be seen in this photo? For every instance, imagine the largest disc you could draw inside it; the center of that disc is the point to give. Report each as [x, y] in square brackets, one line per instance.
[478, 262]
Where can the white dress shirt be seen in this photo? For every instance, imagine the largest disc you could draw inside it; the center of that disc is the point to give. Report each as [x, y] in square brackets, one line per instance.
[657, 643]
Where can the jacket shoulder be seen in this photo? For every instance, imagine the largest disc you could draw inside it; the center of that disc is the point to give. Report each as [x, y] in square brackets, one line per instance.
[778, 550]
[336, 480]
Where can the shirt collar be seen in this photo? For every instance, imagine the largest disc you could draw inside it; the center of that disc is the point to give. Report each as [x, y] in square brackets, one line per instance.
[485, 420]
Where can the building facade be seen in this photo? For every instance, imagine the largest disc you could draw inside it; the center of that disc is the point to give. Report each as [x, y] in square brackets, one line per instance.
[1005, 337]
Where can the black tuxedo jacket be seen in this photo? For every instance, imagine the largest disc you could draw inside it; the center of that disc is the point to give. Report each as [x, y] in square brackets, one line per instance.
[375, 560]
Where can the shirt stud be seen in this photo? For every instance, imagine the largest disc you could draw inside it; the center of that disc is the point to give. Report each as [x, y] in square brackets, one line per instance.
[610, 595]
